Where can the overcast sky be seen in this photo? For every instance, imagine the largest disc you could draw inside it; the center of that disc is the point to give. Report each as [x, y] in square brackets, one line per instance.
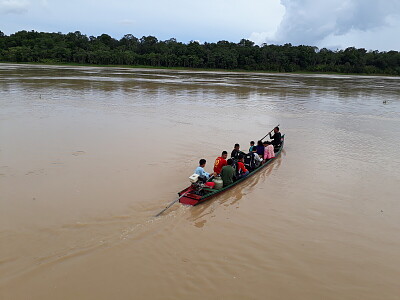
[335, 24]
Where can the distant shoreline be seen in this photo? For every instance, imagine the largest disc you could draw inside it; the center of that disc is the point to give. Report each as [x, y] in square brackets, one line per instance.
[195, 69]
[77, 49]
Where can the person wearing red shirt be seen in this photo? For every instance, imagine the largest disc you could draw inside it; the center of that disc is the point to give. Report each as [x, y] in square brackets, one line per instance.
[243, 172]
[220, 162]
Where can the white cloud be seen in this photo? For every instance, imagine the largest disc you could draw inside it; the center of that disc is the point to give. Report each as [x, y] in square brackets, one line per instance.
[261, 37]
[13, 6]
[337, 22]
[383, 38]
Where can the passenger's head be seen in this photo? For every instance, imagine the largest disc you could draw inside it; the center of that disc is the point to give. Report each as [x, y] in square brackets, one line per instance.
[252, 143]
[276, 129]
[240, 157]
[229, 162]
[202, 162]
[224, 154]
[265, 143]
[268, 142]
[259, 143]
[237, 146]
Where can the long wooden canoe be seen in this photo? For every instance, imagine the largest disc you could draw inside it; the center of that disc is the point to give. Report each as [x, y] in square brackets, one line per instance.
[187, 197]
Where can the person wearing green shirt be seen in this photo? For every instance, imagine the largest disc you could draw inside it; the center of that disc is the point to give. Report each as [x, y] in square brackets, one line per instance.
[228, 173]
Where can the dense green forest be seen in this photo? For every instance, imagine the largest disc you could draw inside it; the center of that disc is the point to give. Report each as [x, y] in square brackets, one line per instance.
[42, 47]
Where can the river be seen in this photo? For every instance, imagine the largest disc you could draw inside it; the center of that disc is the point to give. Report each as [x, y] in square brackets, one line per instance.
[88, 155]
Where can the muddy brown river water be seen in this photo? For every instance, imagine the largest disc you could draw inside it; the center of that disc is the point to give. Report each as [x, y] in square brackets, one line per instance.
[88, 155]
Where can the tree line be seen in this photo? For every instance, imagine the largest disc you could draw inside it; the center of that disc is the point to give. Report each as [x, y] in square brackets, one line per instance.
[75, 47]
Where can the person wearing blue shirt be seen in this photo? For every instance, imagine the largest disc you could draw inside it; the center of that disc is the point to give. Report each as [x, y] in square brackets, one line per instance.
[252, 146]
[200, 169]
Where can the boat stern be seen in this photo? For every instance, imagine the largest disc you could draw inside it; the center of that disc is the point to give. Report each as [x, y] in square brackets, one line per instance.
[188, 200]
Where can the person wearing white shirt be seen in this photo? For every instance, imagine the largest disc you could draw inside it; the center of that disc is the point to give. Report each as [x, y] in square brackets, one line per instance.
[257, 159]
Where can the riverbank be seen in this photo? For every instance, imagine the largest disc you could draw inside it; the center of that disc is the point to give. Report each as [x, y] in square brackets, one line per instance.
[194, 69]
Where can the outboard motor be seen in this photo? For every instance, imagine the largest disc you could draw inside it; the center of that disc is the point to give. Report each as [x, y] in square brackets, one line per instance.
[198, 183]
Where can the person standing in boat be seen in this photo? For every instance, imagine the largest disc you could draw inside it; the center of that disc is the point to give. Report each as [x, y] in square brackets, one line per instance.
[277, 137]
[220, 162]
[228, 173]
[200, 169]
[269, 151]
[236, 152]
[241, 169]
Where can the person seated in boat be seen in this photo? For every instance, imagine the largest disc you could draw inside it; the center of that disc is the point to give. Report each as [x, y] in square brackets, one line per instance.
[269, 151]
[228, 173]
[276, 138]
[236, 152]
[241, 169]
[252, 146]
[220, 162]
[256, 160]
[260, 149]
[200, 169]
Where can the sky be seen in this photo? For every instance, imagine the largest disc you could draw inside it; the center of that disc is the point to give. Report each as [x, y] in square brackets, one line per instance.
[332, 24]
